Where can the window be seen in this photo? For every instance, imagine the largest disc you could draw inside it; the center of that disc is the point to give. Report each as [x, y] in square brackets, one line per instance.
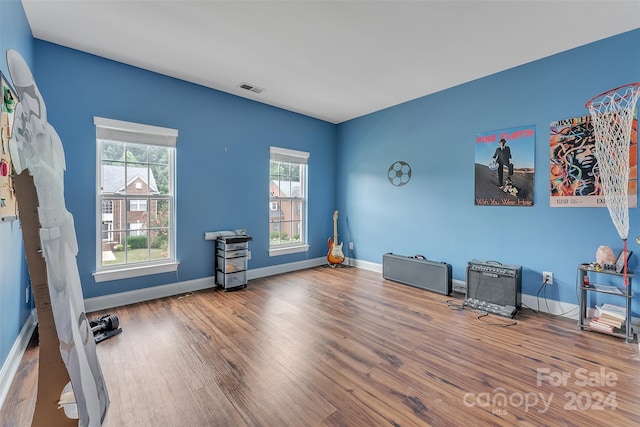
[107, 207]
[136, 193]
[138, 205]
[137, 229]
[287, 201]
[106, 231]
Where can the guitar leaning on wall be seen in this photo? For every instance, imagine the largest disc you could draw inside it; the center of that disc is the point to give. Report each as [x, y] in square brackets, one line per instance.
[335, 255]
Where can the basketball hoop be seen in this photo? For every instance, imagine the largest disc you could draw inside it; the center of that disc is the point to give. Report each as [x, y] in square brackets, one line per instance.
[612, 114]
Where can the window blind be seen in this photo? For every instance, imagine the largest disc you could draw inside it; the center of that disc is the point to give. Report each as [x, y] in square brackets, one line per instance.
[117, 130]
[288, 155]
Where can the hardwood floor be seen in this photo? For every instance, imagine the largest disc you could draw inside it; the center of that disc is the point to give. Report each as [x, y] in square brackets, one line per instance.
[344, 347]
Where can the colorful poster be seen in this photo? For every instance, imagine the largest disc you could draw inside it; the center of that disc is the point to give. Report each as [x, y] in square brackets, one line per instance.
[504, 168]
[574, 179]
[8, 203]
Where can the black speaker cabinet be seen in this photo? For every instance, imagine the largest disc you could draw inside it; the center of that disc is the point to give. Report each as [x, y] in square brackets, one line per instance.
[495, 283]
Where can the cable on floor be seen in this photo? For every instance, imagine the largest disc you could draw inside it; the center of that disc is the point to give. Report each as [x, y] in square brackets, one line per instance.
[500, 324]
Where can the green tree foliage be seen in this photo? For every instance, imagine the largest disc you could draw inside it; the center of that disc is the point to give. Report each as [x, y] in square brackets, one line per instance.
[119, 153]
[160, 225]
[137, 242]
[159, 164]
[283, 171]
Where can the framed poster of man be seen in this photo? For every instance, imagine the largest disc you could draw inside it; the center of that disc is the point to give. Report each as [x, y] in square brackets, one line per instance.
[504, 167]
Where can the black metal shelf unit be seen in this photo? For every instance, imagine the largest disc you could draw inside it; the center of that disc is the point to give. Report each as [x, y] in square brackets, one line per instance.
[587, 285]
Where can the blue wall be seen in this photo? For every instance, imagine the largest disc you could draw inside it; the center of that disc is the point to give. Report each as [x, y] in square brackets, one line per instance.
[14, 33]
[434, 214]
[222, 158]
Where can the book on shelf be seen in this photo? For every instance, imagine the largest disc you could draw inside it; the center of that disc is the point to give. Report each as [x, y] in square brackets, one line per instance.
[596, 324]
[606, 316]
[612, 310]
[616, 323]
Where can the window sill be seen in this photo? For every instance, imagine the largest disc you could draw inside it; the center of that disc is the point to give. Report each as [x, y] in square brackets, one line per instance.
[288, 250]
[128, 272]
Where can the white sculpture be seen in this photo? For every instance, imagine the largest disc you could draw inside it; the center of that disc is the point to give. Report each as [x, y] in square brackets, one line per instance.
[36, 146]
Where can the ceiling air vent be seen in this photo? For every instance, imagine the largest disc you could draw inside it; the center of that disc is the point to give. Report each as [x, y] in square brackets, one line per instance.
[250, 87]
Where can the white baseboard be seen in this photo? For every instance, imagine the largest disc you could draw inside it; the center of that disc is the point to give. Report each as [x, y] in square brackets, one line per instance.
[162, 291]
[116, 300]
[559, 308]
[256, 273]
[10, 366]
[365, 265]
[549, 306]
[147, 294]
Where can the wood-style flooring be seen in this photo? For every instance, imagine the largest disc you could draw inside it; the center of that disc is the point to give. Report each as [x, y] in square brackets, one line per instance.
[345, 347]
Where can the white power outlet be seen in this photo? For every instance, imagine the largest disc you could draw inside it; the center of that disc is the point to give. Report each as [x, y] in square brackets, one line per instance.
[248, 255]
[547, 278]
[351, 245]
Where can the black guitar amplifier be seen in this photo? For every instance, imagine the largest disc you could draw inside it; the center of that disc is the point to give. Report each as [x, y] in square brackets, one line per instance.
[421, 273]
[495, 283]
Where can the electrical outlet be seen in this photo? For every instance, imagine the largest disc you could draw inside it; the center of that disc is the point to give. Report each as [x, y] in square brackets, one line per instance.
[248, 255]
[547, 278]
[351, 245]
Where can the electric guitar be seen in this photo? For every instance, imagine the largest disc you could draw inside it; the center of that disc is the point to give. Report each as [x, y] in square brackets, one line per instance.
[335, 255]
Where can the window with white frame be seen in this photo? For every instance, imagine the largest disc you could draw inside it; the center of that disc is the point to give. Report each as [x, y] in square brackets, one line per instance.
[106, 231]
[107, 207]
[138, 205]
[287, 201]
[136, 193]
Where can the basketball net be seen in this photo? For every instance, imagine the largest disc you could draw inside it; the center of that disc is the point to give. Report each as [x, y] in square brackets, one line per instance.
[612, 115]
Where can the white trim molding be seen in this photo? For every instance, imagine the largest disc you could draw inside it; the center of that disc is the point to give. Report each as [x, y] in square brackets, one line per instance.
[147, 294]
[12, 363]
[256, 273]
[365, 265]
[276, 251]
[134, 271]
[162, 291]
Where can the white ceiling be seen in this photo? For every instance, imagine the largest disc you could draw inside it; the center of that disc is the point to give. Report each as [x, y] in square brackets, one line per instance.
[333, 60]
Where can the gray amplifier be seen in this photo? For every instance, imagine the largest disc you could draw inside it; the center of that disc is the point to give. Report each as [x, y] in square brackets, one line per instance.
[495, 283]
[418, 272]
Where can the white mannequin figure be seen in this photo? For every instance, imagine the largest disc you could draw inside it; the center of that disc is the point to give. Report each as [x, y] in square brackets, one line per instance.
[36, 146]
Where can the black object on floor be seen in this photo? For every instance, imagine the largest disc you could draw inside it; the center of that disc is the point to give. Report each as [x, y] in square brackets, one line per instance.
[105, 327]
